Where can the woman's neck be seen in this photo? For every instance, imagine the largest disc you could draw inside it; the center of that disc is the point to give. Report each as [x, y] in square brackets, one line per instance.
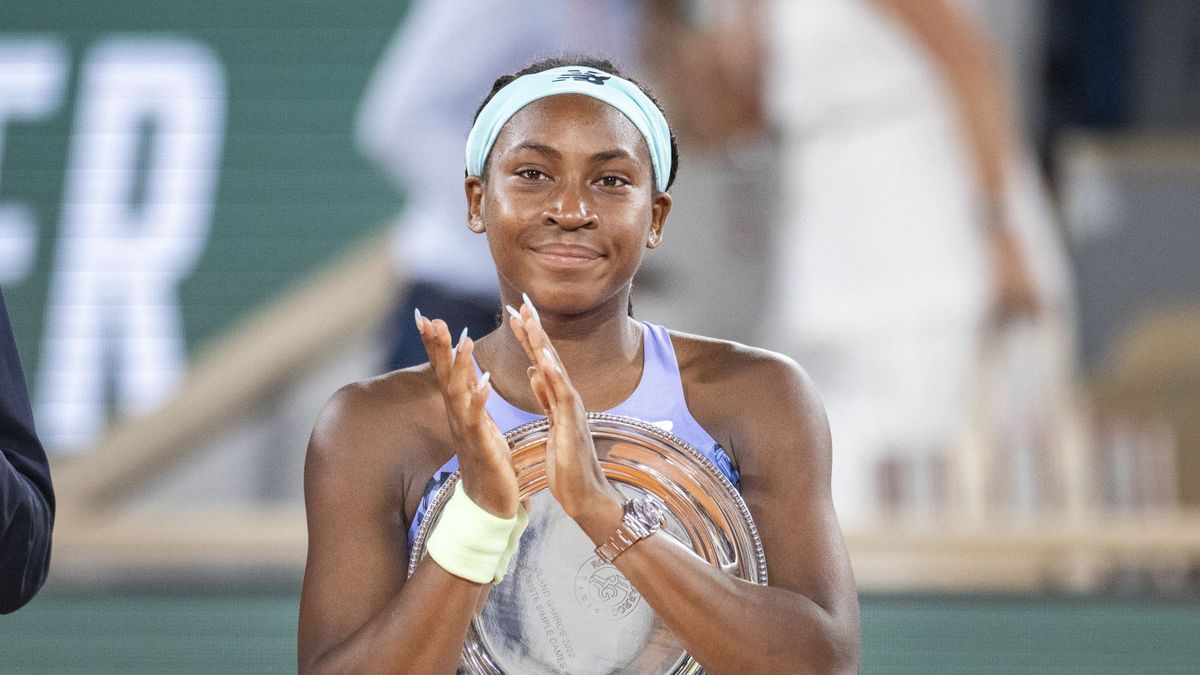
[601, 350]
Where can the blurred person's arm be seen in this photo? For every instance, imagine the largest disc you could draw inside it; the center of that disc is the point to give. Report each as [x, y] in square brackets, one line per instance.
[707, 61]
[26, 495]
[984, 102]
[407, 114]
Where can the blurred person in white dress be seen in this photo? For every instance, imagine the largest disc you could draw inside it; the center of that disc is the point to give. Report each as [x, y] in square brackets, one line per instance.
[919, 276]
[916, 269]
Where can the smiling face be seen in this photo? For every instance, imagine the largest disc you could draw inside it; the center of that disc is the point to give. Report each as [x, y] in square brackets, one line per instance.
[568, 204]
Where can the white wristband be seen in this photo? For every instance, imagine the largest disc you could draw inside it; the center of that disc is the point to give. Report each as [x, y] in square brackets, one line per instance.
[468, 541]
[514, 542]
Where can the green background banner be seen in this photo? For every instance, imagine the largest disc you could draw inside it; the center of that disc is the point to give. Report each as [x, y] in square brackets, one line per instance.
[291, 189]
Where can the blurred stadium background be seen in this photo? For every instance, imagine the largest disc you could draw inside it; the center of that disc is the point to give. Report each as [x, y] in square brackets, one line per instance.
[195, 254]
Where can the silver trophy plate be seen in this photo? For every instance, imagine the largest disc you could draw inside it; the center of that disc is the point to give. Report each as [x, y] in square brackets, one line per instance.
[563, 610]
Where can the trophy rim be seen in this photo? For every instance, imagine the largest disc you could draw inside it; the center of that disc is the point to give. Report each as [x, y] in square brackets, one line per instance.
[520, 437]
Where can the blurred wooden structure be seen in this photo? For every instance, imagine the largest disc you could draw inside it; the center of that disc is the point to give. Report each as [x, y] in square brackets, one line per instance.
[1153, 377]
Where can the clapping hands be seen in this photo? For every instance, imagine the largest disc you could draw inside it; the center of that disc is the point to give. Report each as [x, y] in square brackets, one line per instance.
[572, 468]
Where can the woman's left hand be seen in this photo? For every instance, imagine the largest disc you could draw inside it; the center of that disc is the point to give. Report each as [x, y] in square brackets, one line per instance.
[572, 468]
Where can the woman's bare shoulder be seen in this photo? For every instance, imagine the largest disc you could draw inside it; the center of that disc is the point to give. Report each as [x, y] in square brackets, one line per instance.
[381, 419]
[741, 389]
[713, 362]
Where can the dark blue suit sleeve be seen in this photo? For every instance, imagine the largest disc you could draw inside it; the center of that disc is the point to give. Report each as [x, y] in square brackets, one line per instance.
[26, 496]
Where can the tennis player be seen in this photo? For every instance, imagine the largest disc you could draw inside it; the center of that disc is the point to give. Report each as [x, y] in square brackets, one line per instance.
[568, 170]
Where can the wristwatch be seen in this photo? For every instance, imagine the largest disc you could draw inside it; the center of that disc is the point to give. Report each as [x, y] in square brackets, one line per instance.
[643, 517]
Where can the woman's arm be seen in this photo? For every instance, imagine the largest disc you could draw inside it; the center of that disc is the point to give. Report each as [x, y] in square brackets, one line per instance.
[984, 102]
[717, 58]
[807, 619]
[358, 614]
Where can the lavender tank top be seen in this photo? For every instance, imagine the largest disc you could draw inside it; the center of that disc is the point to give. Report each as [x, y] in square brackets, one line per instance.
[658, 399]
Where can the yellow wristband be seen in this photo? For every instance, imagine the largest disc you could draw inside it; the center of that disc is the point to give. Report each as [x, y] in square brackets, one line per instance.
[514, 542]
[468, 541]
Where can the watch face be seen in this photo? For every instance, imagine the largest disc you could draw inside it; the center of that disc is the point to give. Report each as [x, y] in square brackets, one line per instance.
[648, 511]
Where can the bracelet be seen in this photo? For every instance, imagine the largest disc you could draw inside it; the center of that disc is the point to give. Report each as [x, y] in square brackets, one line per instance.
[468, 541]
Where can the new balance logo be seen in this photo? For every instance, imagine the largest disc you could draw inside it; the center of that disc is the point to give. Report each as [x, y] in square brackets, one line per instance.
[582, 76]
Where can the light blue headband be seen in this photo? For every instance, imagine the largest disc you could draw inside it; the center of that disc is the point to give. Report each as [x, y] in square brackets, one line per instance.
[621, 94]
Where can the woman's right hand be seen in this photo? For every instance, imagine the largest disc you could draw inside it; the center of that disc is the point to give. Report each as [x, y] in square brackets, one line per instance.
[483, 455]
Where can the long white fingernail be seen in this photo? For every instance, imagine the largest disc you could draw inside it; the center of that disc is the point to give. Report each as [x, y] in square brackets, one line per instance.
[417, 317]
[532, 309]
[462, 337]
[515, 314]
[483, 381]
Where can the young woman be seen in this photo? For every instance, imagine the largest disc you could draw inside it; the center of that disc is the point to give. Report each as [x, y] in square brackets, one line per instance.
[568, 171]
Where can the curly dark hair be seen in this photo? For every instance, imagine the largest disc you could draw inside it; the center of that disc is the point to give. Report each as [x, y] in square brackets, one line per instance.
[586, 61]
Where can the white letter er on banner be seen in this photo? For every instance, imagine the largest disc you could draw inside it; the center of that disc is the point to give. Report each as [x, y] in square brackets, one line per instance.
[113, 306]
